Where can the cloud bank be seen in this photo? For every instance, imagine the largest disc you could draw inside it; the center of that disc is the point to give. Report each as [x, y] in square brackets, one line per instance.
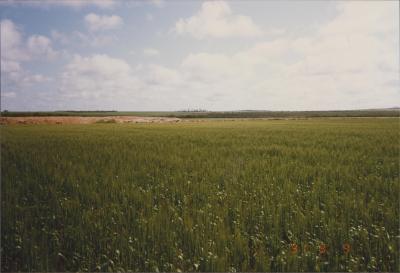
[350, 61]
[216, 19]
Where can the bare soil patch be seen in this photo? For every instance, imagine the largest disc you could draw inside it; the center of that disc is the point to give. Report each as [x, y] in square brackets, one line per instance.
[85, 120]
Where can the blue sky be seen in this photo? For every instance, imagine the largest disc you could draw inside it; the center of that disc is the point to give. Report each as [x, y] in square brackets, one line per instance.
[215, 55]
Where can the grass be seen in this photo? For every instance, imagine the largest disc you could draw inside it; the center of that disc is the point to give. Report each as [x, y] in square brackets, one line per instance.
[207, 196]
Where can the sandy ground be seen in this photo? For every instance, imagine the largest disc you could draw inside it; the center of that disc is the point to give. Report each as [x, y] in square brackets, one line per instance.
[84, 120]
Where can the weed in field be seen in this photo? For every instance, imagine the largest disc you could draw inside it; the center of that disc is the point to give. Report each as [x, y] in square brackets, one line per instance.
[312, 195]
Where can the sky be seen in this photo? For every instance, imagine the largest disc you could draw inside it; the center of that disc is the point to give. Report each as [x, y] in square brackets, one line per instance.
[215, 55]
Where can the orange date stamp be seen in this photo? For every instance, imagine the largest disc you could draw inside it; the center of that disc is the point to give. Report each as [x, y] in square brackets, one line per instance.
[322, 248]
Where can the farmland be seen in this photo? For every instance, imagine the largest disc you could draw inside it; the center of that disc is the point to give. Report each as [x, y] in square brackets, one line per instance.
[259, 195]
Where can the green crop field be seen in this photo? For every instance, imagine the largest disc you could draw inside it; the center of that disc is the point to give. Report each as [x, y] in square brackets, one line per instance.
[272, 195]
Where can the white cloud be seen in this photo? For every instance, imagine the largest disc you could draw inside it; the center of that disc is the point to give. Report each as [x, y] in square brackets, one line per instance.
[78, 38]
[40, 45]
[97, 22]
[158, 3]
[376, 15]
[206, 67]
[97, 76]
[349, 62]
[12, 42]
[216, 19]
[149, 17]
[15, 48]
[331, 68]
[16, 51]
[345, 64]
[60, 37]
[80, 3]
[150, 52]
[159, 75]
[76, 4]
[102, 65]
[104, 78]
[107, 81]
[8, 94]
[34, 79]
[8, 66]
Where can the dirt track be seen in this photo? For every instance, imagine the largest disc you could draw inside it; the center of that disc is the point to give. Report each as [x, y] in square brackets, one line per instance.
[85, 120]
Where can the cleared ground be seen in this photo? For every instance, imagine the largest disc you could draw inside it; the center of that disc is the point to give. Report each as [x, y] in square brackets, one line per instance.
[84, 120]
[260, 195]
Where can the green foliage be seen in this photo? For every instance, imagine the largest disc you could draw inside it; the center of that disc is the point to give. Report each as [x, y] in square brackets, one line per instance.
[206, 196]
